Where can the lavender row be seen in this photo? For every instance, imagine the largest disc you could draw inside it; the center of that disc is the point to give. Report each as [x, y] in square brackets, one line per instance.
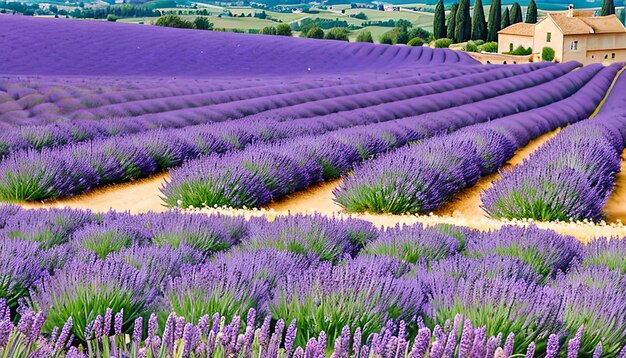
[232, 107]
[74, 169]
[422, 177]
[318, 274]
[259, 174]
[572, 176]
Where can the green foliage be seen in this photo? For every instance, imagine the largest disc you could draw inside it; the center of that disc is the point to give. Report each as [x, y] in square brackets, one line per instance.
[398, 35]
[364, 36]
[386, 39]
[337, 33]
[111, 18]
[283, 30]
[516, 13]
[547, 54]
[531, 12]
[106, 242]
[174, 21]
[608, 8]
[268, 30]
[360, 16]
[488, 47]
[622, 16]
[506, 19]
[520, 51]
[451, 27]
[470, 46]
[479, 25]
[439, 22]
[421, 33]
[202, 23]
[495, 21]
[315, 33]
[416, 41]
[443, 43]
[463, 23]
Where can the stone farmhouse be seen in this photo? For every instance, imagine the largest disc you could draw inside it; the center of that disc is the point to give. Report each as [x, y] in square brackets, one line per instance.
[574, 36]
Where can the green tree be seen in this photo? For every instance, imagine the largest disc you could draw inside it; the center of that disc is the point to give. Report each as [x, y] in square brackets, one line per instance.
[337, 33]
[608, 8]
[516, 13]
[622, 16]
[386, 39]
[364, 36]
[202, 23]
[463, 23]
[451, 27]
[315, 33]
[506, 20]
[547, 54]
[174, 21]
[495, 21]
[283, 30]
[111, 18]
[439, 23]
[421, 33]
[479, 26]
[531, 12]
[268, 30]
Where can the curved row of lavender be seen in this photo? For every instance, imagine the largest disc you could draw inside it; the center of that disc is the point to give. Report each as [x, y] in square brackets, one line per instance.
[521, 289]
[257, 175]
[73, 169]
[572, 176]
[36, 46]
[422, 177]
[138, 116]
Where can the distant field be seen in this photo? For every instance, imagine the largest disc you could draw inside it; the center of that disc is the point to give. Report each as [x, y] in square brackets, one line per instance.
[375, 30]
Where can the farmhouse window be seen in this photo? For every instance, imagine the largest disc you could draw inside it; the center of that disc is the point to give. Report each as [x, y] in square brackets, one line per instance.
[613, 55]
[549, 37]
[574, 46]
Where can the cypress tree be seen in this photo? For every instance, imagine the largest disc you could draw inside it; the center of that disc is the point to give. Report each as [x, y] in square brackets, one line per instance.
[439, 24]
[608, 8]
[516, 13]
[495, 20]
[622, 16]
[506, 21]
[463, 22]
[452, 21]
[479, 26]
[531, 12]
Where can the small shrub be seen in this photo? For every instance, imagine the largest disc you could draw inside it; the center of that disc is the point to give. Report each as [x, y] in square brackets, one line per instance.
[443, 43]
[174, 21]
[337, 33]
[315, 33]
[283, 30]
[111, 18]
[364, 36]
[521, 51]
[268, 30]
[386, 38]
[488, 47]
[470, 46]
[416, 41]
[202, 23]
[547, 54]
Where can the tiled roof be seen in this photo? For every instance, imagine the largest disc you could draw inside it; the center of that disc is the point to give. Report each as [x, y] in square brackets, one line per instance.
[570, 25]
[520, 28]
[604, 24]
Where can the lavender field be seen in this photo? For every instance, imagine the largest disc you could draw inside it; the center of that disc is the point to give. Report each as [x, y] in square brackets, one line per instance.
[223, 127]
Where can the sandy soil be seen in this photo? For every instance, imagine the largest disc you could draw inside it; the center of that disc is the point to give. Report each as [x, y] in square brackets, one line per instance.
[137, 197]
[467, 203]
[615, 208]
[317, 198]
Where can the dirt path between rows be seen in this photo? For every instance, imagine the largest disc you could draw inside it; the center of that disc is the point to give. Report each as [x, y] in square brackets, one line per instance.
[137, 197]
[615, 207]
[467, 203]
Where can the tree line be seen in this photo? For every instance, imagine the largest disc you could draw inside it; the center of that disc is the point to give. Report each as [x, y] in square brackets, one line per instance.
[460, 27]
